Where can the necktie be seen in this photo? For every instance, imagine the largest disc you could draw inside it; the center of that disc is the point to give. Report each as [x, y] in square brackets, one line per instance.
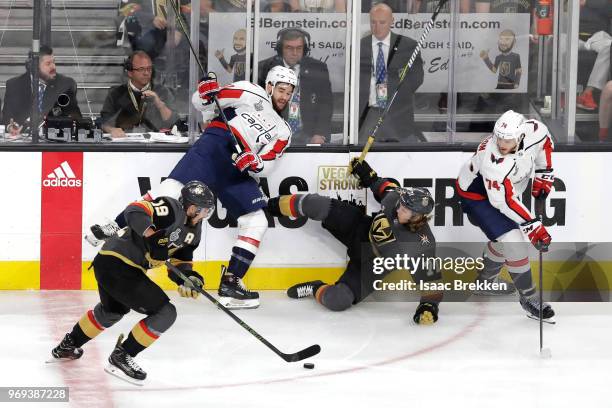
[381, 69]
[41, 93]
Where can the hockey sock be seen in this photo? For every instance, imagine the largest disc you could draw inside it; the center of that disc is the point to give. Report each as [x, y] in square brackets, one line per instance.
[93, 323]
[493, 260]
[523, 283]
[603, 134]
[336, 297]
[146, 331]
[86, 329]
[240, 260]
[307, 205]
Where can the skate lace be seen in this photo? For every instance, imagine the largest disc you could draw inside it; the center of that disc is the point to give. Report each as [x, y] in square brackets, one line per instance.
[305, 290]
[109, 229]
[131, 363]
[241, 285]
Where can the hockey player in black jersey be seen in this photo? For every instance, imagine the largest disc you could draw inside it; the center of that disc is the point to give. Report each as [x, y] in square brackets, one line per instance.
[401, 227]
[156, 231]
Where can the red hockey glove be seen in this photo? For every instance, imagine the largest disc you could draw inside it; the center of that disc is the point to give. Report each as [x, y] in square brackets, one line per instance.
[208, 88]
[537, 234]
[248, 161]
[542, 183]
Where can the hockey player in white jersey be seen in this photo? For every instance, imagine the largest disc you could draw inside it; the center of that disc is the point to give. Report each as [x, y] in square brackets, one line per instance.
[262, 135]
[489, 186]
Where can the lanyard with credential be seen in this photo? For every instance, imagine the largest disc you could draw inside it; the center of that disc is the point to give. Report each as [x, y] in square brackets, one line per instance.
[138, 109]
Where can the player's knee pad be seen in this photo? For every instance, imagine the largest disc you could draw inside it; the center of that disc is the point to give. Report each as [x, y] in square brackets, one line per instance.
[161, 320]
[167, 188]
[251, 229]
[336, 297]
[107, 318]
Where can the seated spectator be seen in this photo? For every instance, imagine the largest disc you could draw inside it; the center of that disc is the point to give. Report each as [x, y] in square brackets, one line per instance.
[594, 35]
[605, 112]
[309, 111]
[600, 43]
[383, 55]
[52, 86]
[138, 105]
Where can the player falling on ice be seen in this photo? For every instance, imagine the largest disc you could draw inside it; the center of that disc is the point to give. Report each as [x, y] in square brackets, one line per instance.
[400, 228]
[489, 186]
[156, 231]
[253, 114]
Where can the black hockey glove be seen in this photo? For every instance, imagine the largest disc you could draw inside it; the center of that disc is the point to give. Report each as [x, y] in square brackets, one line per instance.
[366, 175]
[426, 313]
[187, 289]
[157, 244]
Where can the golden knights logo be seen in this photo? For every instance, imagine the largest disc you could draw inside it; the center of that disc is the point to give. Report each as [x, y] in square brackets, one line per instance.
[380, 230]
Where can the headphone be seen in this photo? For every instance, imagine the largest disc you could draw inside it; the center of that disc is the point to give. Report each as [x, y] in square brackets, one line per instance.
[282, 35]
[128, 63]
[44, 50]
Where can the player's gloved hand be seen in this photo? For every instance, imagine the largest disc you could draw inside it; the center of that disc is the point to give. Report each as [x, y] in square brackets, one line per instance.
[537, 234]
[208, 88]
[248, 161]
[186, 289]
[366, 175]
[157, 244]
[542, 183]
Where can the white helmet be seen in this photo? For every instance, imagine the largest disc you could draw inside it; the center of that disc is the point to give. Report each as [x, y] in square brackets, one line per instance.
[281, 74]
[510, 125]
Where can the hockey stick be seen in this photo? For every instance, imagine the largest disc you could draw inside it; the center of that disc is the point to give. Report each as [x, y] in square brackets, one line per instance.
[540, 204]
[290, 358]
[183, 29]
[402, 76]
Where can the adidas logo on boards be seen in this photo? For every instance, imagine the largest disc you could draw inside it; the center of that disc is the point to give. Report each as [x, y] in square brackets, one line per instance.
[63, 176]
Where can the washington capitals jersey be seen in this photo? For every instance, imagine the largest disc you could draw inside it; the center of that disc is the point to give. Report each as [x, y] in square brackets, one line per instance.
[164, 213]
[501, 179]
[249, 111]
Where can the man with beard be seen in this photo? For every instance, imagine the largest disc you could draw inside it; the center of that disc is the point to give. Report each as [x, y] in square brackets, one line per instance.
[160, 230]
[237, 61]
[51, 85]
[253, 114]
[507, 64]
[401, 228]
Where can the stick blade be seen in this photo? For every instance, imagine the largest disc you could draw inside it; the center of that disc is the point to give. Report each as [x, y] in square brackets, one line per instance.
[303, 354]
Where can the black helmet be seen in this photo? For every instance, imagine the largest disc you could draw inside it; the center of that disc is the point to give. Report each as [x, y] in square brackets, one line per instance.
[198, 194]
[417, 199]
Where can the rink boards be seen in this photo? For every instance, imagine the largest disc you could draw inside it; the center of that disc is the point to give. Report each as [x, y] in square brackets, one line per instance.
[50, 198]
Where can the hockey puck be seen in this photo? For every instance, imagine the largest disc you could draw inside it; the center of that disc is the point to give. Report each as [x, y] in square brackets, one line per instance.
[309, 366]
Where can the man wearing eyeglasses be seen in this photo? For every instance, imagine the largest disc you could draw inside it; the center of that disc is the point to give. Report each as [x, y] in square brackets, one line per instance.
[139, 105]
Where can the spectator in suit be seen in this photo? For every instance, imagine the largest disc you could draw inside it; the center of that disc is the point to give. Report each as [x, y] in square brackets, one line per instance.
[52, 86]
[138, 104]
[383, 55]
[309, 111]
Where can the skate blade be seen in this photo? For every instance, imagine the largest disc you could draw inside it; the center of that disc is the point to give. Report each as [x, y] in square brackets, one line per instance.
[233, 304]
[54, 360]
[549, 321]
[121, 375]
